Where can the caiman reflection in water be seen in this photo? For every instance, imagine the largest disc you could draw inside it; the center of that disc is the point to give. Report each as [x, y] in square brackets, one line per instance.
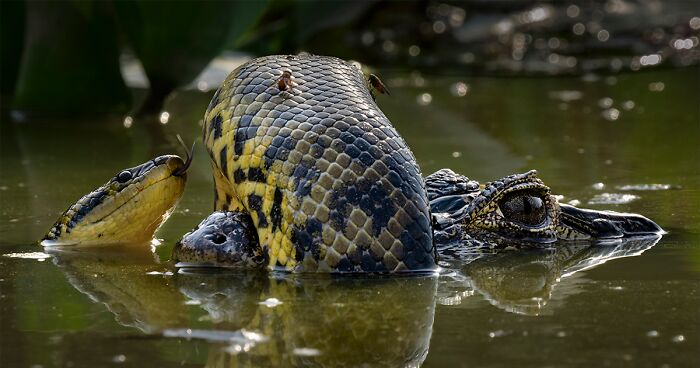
[261, 319]
[523, 281]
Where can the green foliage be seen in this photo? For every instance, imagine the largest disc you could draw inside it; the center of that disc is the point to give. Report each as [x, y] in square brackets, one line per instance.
[176, 40]
[71, 61]
[288, 26]
[12, 40]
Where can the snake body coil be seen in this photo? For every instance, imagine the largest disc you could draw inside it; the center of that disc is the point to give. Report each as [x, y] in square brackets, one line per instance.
[298, 143]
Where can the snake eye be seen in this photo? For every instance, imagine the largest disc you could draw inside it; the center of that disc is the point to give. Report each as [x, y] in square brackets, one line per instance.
[124, 176]
[525, 209]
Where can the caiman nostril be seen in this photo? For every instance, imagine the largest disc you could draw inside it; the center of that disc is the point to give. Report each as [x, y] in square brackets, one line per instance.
[189, 156]
[218, 238]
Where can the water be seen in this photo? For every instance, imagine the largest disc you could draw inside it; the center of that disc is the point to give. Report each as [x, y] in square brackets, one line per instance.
[633, 304]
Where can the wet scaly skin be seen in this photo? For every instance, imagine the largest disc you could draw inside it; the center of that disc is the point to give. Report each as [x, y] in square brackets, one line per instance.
[310, 176]
[302, 154]
[128, 209]
[298, 144]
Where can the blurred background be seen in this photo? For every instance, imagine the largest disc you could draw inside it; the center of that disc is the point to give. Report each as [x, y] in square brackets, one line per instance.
[83, 57]
[577, 89]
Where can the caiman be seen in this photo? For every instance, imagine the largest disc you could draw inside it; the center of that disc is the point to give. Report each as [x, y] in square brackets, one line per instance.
[310, 176]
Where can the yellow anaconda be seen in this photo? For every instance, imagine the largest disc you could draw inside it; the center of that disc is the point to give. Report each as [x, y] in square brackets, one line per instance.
[298, 143]
[129, 208]
[310, 176]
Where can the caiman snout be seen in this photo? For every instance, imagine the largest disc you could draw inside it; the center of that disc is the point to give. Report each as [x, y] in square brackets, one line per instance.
[606, 224]
[224, 239]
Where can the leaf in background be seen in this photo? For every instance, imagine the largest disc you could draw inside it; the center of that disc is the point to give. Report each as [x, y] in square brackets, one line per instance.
[315, 16]
[176, 40]
[70, 63]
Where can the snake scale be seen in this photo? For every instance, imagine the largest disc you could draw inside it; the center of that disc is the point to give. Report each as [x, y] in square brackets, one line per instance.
[327, 180]
[310, 176]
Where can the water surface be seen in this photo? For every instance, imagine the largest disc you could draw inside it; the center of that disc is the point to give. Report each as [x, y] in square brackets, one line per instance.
[600, 141]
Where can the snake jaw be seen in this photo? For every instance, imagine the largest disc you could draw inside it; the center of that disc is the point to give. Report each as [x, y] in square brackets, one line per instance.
[122, 211]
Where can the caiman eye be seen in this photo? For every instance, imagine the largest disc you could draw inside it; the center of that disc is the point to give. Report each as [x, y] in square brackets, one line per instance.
[526, 209]
[124, 176]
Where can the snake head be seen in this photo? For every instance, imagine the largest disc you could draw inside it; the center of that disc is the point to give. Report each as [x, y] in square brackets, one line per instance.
[224, 239]
[129, 208]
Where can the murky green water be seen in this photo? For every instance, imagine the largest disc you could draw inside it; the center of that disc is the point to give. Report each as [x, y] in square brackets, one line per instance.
[540, 308]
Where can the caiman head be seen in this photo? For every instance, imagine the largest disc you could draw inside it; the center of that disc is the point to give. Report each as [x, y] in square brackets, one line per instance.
[521, 208]
[224, 239]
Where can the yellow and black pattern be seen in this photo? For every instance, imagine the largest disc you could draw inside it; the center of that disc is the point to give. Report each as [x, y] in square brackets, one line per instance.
[299, 144]
[129, 208]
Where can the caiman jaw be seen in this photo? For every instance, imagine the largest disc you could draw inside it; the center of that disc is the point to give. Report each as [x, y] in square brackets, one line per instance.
[580, 223]
[224, 239]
